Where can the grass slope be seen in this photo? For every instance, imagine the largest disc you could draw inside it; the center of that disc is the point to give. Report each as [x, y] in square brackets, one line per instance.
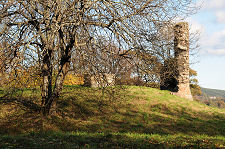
[137, 117]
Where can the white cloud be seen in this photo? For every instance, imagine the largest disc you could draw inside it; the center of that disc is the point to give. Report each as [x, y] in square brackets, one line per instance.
[218, 8]
[213, 44]
[214, 4]
[195, 26]
[220, 16]
[212, 38]
[217, 52]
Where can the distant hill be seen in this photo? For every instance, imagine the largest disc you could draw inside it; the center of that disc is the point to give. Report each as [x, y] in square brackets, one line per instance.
[213, 92]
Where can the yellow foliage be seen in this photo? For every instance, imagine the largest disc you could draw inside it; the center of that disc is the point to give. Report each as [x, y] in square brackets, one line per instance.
[21, 78]
[71, 79]
[29, 78]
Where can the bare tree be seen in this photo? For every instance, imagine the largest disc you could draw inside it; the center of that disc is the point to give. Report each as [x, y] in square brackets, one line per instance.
[47, 33]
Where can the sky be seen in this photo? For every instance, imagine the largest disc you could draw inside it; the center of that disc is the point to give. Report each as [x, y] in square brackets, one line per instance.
[210, 60]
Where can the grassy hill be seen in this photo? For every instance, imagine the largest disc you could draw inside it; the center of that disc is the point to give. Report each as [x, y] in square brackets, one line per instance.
[134, 117]
[213, 92]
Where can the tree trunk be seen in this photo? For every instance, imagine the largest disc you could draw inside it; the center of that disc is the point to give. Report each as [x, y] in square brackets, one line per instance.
[64, 65]
[47, 95]
[63, 70]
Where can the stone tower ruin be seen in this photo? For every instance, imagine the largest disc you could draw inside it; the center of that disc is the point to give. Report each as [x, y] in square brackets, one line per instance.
[181, 49]
[180, 76]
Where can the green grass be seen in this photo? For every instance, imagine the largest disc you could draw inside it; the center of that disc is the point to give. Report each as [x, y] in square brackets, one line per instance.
[132, 117]
[109, 140]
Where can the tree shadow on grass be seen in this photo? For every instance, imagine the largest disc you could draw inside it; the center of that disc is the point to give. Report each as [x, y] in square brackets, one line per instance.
[87, 111]
[86, 116]
[23, 103]
[19, 115]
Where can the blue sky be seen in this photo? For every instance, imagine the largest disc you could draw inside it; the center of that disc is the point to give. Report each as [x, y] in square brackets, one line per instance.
[210, 66]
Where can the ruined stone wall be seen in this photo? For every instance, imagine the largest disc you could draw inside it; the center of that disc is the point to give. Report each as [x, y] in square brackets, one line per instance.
[181, 47]
[100, 80]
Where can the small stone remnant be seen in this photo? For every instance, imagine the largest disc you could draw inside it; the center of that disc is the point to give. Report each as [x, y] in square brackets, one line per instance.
[100, 80]
[181, 47]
